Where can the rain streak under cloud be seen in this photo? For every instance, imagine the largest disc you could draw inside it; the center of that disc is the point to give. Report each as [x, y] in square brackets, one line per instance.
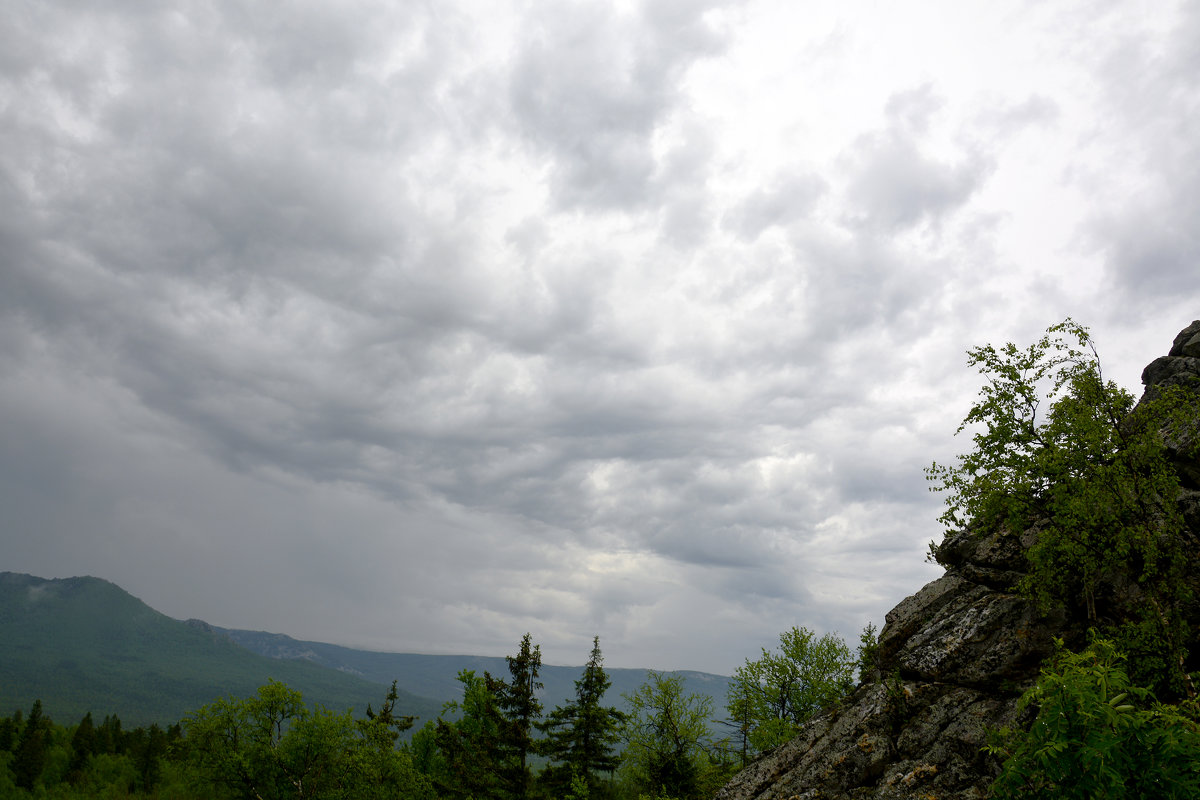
[417, 326]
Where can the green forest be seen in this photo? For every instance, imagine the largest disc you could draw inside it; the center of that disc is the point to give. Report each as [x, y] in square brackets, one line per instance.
[1057, 450]
[497, 741]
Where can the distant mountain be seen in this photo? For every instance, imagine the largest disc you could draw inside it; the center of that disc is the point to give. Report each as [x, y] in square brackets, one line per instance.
[84, 644]
[435, 676]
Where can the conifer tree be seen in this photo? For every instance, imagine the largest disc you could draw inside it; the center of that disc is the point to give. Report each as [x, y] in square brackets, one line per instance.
[109, 737]
[395, 725]
[467, 760]
[520, 709]
[29, 758]
[582, 735]
[83, 745]
[9, 728]
[150, 749]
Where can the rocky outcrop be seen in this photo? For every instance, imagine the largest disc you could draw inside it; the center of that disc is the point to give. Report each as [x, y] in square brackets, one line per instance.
[1180, 367]
[953, 660]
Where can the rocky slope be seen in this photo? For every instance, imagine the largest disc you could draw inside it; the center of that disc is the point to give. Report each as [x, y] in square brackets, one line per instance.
[953, 658]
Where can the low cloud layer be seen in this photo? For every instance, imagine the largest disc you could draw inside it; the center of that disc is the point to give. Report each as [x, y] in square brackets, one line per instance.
[420, 327]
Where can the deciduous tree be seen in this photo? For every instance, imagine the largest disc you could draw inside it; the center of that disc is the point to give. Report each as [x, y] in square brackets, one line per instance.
[667, 738]
[772, 696]
[464, 761]
[1058, 445]
[272, 746]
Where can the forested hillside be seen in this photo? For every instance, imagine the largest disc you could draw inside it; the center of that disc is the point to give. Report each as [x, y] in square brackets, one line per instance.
[128, 702]
[434, 676]
[84, 644]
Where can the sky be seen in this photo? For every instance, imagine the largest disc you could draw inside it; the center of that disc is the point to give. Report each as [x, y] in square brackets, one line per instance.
[418, 325]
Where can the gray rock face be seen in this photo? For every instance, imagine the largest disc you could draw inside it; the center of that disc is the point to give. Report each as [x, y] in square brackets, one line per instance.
[1181, 365]
[953, 659]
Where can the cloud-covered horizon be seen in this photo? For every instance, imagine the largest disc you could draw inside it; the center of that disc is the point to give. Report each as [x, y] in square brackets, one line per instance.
[420, 326]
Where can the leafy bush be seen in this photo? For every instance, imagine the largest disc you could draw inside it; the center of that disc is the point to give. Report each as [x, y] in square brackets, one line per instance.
[1096, 736]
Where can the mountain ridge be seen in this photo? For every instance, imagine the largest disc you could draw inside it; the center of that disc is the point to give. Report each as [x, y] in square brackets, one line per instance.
[86, 644]
[434, 676]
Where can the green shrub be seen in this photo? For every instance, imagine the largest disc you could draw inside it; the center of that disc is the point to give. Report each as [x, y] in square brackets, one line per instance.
[1097, 737]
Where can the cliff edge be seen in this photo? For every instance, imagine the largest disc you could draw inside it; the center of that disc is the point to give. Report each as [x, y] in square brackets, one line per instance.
[953, 659]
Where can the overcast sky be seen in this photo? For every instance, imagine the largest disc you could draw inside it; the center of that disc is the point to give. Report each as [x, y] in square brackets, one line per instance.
[419, 325]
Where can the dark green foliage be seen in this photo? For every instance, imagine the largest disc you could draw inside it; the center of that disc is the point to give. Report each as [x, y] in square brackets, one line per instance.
[148, 747]
[464, 761]
[868, 652]
[30, 752]
[83, 747]
[1058, 447]
[9, 728]
[520, 710]
[486, 751]
[73, 767]
[394, 724]
[581, 736]
[109, 736]
[1096, 736]
[273, 745]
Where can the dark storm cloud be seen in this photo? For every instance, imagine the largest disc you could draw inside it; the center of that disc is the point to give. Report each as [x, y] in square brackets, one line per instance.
[424, 325]
[592, 85]
[221, 212]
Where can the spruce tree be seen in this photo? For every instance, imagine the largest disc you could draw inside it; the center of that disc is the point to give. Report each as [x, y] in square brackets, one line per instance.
[151, 748]
[109, 737]
[394, 725]
[9, 727]
[467, 758]
[29, 758]
[520, 709]
[83, 745]
[583, 734]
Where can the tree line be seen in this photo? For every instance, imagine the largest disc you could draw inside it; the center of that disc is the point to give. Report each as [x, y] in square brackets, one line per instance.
[496, 741]
[41, 759]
